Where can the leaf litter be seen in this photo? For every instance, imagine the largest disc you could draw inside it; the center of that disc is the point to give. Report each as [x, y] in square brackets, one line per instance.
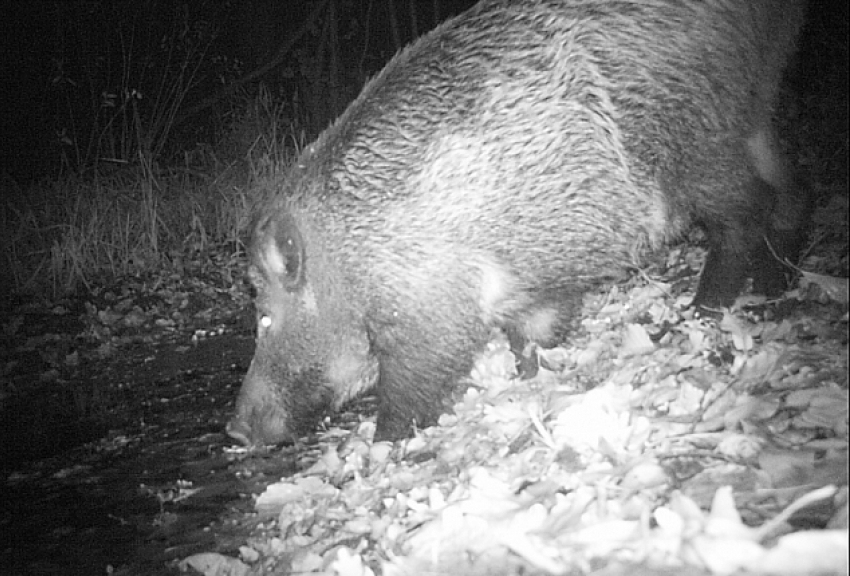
[701, 447]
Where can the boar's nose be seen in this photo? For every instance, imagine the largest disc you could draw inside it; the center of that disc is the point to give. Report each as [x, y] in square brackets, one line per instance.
[239, 430]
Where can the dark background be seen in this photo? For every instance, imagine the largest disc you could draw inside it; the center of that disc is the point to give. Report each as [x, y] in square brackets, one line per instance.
[61, 59]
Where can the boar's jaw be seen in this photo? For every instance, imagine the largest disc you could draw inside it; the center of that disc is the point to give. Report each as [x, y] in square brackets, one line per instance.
[274, 408]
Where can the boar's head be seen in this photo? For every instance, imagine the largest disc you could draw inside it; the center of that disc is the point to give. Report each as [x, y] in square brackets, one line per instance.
[312, 350]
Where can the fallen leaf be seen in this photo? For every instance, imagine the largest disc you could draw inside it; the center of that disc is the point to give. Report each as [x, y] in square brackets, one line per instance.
[214, 564]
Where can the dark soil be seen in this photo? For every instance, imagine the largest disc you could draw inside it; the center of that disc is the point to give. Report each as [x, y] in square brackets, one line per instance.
[120, 464]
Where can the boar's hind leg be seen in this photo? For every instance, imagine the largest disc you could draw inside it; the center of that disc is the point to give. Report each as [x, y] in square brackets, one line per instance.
[751, 244]
[784, 189]
[421, 360]
[726, 265]
[787, 232]
[765, 262]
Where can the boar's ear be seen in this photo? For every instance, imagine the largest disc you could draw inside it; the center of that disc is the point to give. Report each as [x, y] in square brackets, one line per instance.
[282, 254]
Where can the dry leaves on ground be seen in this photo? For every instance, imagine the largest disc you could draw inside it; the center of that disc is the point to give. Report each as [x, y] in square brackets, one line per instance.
[705, 448]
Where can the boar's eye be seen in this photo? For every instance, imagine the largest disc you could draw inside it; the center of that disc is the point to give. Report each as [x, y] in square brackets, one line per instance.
[264, 323]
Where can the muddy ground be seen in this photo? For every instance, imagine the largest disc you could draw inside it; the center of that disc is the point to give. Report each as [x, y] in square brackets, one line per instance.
[114, 457]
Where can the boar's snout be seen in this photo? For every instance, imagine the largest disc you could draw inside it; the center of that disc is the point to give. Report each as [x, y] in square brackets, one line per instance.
[239, 430]
[258, 428]
[276, 410]
[265, 420]
[262, 417]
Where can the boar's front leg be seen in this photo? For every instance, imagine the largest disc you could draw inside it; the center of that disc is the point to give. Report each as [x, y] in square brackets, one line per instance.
[422, 357]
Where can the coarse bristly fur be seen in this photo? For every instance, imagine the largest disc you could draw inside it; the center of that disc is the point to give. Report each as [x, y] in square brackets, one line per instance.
[495, 170]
